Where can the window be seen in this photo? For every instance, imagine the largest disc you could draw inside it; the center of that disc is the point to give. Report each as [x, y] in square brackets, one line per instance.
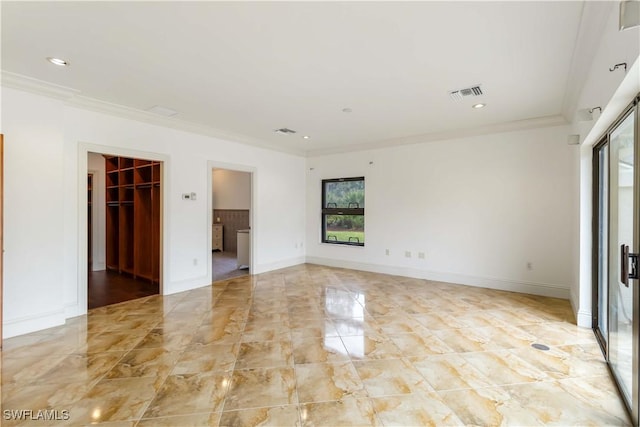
[343, 211]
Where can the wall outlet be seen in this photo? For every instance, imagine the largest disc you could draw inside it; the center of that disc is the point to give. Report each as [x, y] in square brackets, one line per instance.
[387, 252]
[421, 255]
[407, 254]
[195, 261]
[529, 265]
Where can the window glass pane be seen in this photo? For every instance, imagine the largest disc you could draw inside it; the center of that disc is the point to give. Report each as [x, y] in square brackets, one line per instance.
[344, 228]
[344, 194]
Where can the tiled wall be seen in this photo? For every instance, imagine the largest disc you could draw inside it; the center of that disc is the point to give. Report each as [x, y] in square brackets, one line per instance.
[232, 220]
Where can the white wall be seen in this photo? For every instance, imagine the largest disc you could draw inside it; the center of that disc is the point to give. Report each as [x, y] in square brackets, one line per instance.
[95, 164]
[231, 189]
[46, 146]
[480, 208]
[612, 91]
[33, 291]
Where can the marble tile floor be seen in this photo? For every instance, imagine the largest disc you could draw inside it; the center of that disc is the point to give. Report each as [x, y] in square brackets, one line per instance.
[315, 346]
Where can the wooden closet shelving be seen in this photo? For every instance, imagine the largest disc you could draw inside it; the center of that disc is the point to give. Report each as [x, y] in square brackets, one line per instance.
[133, 216]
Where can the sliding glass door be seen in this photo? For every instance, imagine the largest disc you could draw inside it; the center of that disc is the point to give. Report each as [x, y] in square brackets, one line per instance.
[623, 290]
[601, 242]
[616, 242]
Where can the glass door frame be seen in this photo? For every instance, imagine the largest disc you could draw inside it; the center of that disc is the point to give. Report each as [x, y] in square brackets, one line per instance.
[601, 336]
[603, 144]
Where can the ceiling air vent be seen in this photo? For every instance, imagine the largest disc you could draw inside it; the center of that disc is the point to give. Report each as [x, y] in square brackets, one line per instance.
[285, 131]
[459, 94]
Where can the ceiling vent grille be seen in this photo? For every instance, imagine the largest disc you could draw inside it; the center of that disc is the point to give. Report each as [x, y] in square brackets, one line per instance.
[459, 94]
[285, 131]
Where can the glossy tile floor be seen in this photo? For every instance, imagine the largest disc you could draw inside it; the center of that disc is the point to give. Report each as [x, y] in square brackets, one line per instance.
[312, 345]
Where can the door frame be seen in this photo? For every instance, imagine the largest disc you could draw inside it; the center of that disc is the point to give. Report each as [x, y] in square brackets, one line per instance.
[81, 304]
[253, 242]
[635, 413]
[1, 228]
[605, 140]
[595, 273]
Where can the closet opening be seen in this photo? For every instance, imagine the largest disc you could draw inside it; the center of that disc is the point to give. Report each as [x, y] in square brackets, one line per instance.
[124, 228]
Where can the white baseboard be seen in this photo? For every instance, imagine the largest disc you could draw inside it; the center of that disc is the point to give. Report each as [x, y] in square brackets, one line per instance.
[73, 310]
[583, 317]
[543, 289]
[33, 323]
[289, 262]
[185, 285]
[98, 266]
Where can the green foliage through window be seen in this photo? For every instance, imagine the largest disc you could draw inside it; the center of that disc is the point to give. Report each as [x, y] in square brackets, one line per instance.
[343, 211]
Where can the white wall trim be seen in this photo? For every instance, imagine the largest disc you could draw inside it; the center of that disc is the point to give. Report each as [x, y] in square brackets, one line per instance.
[27, 324]
[583, 317]
[74, 98]
[513, 126]
[187, 285]
[84, 148]
[39, 87]
[253, 209]
[289, 262]
[71, 310]
[543, 289]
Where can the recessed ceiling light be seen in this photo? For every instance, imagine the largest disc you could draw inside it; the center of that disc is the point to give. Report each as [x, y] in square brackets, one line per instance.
[347, 110]
[306, 137]
[476, 106]
[57, 61]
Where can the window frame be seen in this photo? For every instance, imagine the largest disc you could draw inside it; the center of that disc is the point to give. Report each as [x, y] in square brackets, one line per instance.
[337, 211]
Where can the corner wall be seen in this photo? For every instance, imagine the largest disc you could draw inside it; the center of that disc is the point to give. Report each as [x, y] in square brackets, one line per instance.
[46, 142]
[612, 91]
[480, 209]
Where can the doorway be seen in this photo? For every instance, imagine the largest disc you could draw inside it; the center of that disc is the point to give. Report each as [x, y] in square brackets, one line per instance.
[231, 225]
[124, 205]
[616, 239]
[1, 226]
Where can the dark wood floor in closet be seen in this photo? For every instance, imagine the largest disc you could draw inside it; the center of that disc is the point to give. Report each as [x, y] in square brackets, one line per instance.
[108, 287]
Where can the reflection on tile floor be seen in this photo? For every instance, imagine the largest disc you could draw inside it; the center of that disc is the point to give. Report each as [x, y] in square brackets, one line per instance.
[312, 345]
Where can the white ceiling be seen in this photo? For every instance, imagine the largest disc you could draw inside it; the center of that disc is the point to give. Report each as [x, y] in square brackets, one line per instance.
[245, 69]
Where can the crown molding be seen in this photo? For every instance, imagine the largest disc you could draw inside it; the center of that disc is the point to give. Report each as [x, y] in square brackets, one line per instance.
[73, 98]
[122, 111]
[592, 25]
[516, 125]
[39, 87]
